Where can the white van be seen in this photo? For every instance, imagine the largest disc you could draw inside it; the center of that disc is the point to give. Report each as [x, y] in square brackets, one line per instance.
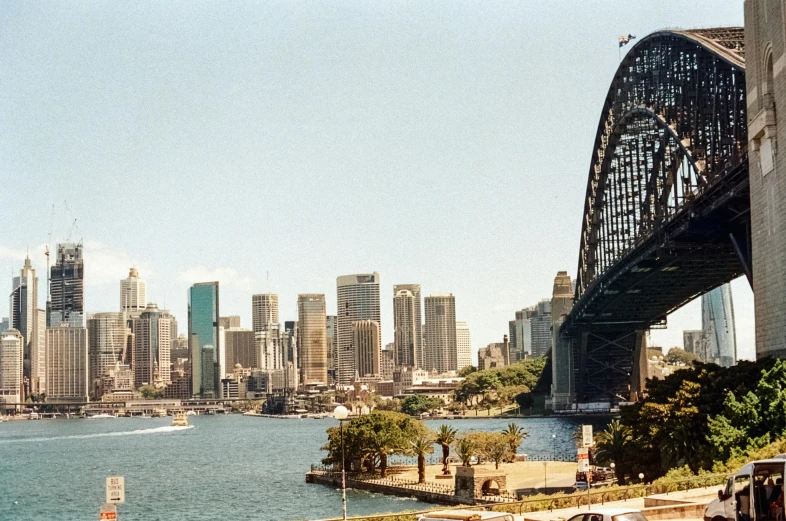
[753, 493]
[465, 515]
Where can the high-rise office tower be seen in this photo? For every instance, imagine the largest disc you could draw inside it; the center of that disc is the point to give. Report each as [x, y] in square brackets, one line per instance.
[418, 302]
[232, 321]
[406, 336]
[358, 299]
[271, 346]
[108, 338]
[66, 286]
[540, 328]
[367, 344]
[697, 341]
[152, 346]
[312, 338]
[23, 309]
[38, 362]
[240, 348]
[717, 319]
[440, 333]
[264, 310]
[11, 372]
[133, 292]
[463, 346]
[204, 340]
[67, 376]
[332, 350]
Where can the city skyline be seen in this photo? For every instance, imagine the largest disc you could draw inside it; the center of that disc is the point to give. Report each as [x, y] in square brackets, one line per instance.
[165, 129]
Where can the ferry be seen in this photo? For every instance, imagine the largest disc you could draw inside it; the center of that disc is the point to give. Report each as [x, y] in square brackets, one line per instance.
[180, 420]
[101, 416]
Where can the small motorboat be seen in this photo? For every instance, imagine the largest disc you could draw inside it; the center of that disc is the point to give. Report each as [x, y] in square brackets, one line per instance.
[180, 420]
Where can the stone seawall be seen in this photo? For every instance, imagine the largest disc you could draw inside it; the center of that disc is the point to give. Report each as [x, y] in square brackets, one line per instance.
[333, 480]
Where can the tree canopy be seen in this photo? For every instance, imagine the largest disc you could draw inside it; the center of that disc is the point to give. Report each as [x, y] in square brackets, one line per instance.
[417, 403]
[371, 438]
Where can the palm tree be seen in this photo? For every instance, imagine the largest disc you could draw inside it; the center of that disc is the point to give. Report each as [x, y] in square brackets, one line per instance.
[420, 447]
[445, 436]
[465, 449]
[515, 435]
[611, 446]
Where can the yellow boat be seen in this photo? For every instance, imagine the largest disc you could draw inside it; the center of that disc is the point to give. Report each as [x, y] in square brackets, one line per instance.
[181, 420]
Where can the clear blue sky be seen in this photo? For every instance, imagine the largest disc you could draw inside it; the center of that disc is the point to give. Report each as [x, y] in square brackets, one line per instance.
[443, 143]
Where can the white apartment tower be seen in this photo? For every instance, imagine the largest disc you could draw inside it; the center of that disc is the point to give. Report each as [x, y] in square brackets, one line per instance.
[67, 376]
[108, 337]
[440, 333]
[463, 346]
[366, 339]
[11, 378]
[406, 339]
[358, 299]
[264, 310]
[133, 292]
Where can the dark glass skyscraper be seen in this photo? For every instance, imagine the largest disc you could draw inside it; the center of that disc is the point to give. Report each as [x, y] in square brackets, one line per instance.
[67, 287]
[204, 341]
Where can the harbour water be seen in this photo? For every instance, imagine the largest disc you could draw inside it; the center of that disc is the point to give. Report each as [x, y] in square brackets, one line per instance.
[220, 467]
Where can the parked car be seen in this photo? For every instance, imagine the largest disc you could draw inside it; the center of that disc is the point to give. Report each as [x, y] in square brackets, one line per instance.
[465, 515]
[610, 514]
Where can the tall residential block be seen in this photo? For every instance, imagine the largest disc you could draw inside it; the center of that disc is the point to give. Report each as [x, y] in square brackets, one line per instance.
[23, 308]
[264, 310]
[367, 343]
[133, 292]
[11, 379]
[152, 346]
[204, 340]
[39, 369]
[540, 328]
[67, 286]
[406, 335]
[358, 299]
[463, 346]
[67, 376]
[240, 348]
[717, 319]
[312, 338]
[108, 338]
[418, 319]
[440, 333]
[765, 47]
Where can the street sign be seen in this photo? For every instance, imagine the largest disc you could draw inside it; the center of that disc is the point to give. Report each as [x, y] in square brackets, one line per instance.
[583, 459]
[115, 489]
[586, 436]
[108, 512]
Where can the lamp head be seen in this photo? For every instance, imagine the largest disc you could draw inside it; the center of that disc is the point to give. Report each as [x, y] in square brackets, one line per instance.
[612, 465]
[641, 475]
[340, 413]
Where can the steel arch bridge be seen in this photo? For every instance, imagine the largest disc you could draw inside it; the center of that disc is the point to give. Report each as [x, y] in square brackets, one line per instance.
[666, 213]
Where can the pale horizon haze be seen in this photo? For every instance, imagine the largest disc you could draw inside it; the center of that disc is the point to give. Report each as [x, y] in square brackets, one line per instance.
[274, 146]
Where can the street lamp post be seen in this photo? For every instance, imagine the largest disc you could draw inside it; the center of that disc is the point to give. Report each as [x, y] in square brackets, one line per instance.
[613, 472]
[340, 414]
[545, 478]
[641, 477]
[554, 446]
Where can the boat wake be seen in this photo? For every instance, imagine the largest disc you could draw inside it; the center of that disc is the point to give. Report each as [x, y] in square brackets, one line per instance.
[156, 430]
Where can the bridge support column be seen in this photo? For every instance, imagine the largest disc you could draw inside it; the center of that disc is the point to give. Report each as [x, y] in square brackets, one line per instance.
[638, 374]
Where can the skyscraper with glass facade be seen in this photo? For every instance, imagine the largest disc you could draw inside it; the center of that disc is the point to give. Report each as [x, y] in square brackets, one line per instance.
[67, 287]
[717, 321]
[358, 299]
[204, 340]
[312, 338]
